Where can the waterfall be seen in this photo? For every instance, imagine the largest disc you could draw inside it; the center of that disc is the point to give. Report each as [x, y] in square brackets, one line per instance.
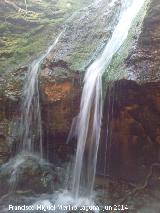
[30, 123]
[89, 118]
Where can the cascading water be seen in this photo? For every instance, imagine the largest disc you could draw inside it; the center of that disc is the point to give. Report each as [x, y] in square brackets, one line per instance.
[89, 118]
[30, 125]
[88, 122]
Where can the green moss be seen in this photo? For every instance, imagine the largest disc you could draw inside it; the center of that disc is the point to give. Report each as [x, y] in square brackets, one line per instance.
[82, 54]
[24, 35]
[70, 5]
[116, 70]
[80, 58]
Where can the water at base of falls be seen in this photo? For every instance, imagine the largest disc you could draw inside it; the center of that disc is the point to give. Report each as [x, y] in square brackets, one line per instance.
[64, 202]
[57, 203]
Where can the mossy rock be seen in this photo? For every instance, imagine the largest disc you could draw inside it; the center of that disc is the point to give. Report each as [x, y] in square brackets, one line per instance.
[26, 33]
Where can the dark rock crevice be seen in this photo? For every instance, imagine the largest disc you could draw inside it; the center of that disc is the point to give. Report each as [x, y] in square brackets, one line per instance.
[131, 143]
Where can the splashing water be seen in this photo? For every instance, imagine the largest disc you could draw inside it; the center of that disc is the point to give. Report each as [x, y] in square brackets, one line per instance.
[30, 125]
[89, 119]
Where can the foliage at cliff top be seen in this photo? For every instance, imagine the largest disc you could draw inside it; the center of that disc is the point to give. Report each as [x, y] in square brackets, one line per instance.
[26, 29]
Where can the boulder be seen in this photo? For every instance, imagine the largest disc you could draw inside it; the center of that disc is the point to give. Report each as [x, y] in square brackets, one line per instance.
[27, 172]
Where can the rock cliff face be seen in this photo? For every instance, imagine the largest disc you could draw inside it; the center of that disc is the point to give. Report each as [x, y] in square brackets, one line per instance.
[26, 31]
[144, 59]
[9, 111]
[10, 93]
[60, 98]
[135, 127]
[133, 113]
[132, 140]
[47, 19]
[135, 122]
[62, 72]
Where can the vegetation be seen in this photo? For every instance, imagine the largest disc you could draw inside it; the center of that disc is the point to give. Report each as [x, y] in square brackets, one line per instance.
[27, 26]
[117, 69]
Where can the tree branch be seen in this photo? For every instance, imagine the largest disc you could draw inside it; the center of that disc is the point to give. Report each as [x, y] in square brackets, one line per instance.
[139, 188]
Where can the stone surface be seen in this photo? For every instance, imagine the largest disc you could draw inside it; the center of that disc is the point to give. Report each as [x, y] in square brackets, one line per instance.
[135, 138]
[134, 197]
[60, 98]
[85, 35]
[27, 172]
[26, 33]
[62, 72]
[144, 58]
[8, 111]
[132, 143]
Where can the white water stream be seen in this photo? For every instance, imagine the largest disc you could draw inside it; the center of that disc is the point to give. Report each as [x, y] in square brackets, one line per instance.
[31, 125]
[89, 119]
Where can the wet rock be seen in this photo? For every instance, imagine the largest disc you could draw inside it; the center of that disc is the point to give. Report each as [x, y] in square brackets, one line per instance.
[27, 172]
[85, 35]
[134, 120]
[135, 134]
[130, 196]
[25, 34]
[62, 72]
[144, 58]
[4, 150]
[60, 98]
[10, 93]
